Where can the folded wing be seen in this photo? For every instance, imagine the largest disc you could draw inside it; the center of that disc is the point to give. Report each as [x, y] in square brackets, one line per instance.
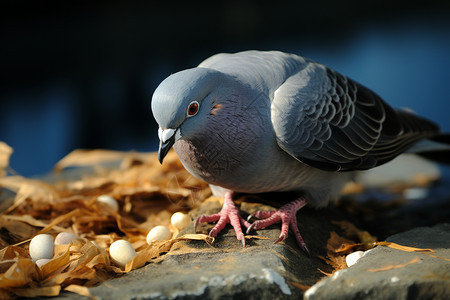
[328, 121]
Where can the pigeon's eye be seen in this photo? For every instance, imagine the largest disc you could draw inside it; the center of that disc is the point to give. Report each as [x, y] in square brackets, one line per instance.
[193, 108]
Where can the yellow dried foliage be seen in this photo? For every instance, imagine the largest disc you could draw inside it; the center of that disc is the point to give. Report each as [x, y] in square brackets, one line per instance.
[399, 266]
[5, 153]
[404, 248]
[339, 246]
[353, 239]
[147, 193]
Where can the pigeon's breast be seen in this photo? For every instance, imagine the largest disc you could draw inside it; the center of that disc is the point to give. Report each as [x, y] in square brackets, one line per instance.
[258, 170]
[225, 148]
[220, 159]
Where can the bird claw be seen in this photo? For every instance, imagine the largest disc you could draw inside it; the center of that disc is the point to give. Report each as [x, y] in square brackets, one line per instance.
[196, 224]
[250, 228]
[228, 215]
[287, 216]
[242, 238]
[281, 238]
[250, 216]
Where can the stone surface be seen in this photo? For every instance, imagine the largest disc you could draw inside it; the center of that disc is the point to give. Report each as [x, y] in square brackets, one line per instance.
[225, 270]
[385, 273]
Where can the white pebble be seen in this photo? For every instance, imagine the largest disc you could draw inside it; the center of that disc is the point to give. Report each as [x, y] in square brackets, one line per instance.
[121, 252]
[352, 258]
[180, 220]
[42, 261]
[41, 246]
[159, 233]
[415, 193]
[109, 201]
[64, 238]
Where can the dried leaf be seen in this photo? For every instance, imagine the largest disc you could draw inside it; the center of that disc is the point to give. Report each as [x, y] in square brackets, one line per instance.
[403, 248]
[13, 252]
[350, 230]
[46, 291]
[58, 220]
[25, 219]
[196, 237]
[339, 246]
[80, 290]
[35, 190]
[390, 267]
[5, 154]
[60, 261]
[300, 286]
[323, 272]
[19, 274]
[438, 257]
[256, 237]
[81, 157]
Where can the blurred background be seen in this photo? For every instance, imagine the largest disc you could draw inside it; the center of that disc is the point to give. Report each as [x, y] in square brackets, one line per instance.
[81, 74]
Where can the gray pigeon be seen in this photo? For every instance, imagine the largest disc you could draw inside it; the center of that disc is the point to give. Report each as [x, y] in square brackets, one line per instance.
[255, 122]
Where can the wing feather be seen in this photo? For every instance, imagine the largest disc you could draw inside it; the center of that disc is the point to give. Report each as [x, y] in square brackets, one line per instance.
[328, 121]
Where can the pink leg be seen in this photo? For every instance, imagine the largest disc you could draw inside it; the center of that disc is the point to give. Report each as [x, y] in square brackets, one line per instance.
[287, 215]
[229, 214]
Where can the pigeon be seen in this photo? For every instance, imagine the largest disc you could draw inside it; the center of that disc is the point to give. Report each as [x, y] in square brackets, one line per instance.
[268, 121]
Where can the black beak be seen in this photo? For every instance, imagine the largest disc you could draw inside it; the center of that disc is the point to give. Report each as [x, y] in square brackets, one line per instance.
[164, 148]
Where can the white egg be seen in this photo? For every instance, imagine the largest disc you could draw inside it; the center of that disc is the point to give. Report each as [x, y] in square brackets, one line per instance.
[159, 233]
[41, 246]
[42, 261]
[121, 252]
[180, 220]
[109, 201]
[64, 238]
[352, 258]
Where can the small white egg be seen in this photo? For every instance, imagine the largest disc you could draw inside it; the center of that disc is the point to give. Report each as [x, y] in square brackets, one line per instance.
[121, 252]
[159, 233]
[64, 238]
[180, 220]
[109, 201]
[42, 261]
[352, 258]
[41, 246]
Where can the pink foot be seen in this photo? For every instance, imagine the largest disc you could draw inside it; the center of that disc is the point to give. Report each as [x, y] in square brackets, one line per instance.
[287, 215]
[229, 214]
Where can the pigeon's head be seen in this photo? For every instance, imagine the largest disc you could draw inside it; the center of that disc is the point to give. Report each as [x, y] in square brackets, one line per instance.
[182, 103]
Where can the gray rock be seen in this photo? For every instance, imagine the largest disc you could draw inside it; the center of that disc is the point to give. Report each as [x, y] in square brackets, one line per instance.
[386, 273]
[226, 270]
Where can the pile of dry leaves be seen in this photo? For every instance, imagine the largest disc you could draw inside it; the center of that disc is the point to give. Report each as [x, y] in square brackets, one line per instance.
[147, 193]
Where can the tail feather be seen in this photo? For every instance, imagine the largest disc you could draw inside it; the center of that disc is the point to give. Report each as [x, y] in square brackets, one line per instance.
[436, 148]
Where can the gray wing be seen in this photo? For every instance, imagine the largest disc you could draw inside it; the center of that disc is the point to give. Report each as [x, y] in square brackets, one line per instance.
[330, 122]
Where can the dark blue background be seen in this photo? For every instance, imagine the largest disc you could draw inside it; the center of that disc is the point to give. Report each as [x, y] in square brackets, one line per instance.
[81, 75]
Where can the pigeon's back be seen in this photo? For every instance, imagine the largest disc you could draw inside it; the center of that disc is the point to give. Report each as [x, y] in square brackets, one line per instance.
[262, 70]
